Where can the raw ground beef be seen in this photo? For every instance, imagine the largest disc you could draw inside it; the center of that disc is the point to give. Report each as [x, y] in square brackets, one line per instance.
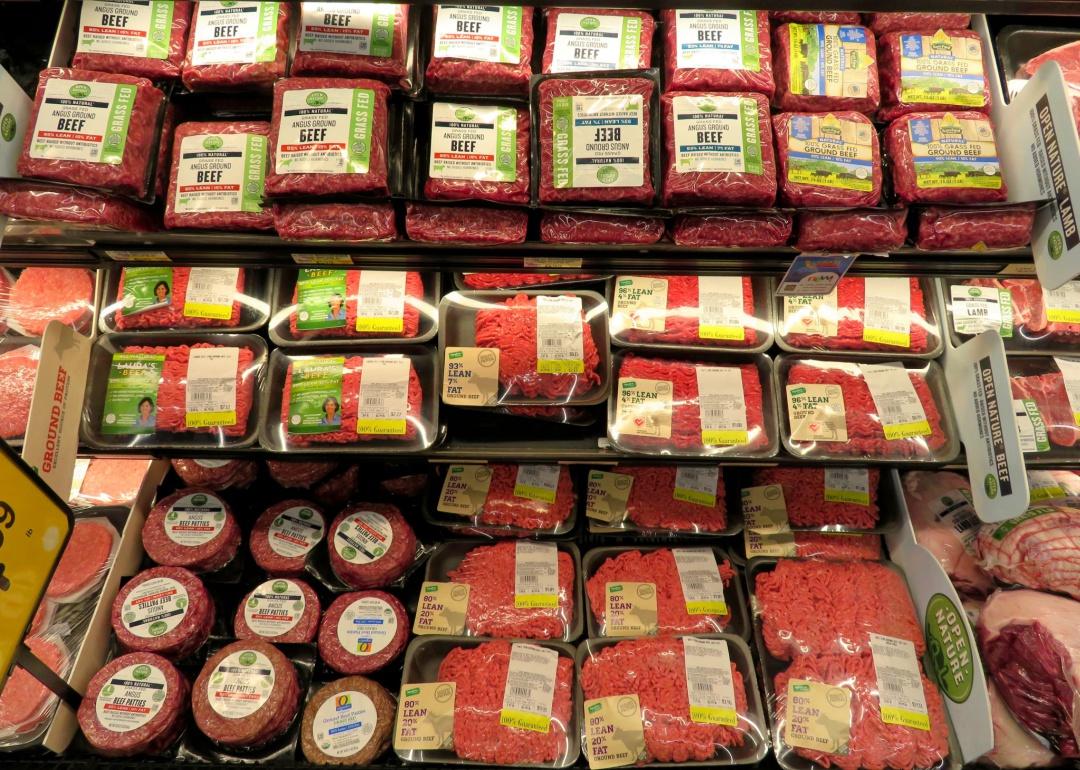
[505, 509]
[270, 624]
[859, 230]
[172, 316]
[1030, 309]
[465, 225]
[866, 437]
[732, 230]
[515, 192]
[872, 742]
[825, 545]
[383, 542]
[939, 228]
[655, 671]
[162, 526]
[645, 36]
[480, 674]
[375, 181]
[548, 91]
[339, 488]
[309, 60]
[686, 426]
[787, 100]
[109, 481]
[167, 68]
[804, 495]
[335, 221]
[34, 200]
[299, 475]
[892, 85]
[25, 703]
[18, 371]
[1052, 399]
[488, 570]
[215, 474]
[813, 17]
[1040, 549]
[652, 503]
[850, 311]
[161, 170]
[43, 294]
[719, 188]
[683, 315]
[598, 229]
[236, 74]
[715, 78]
[133, 174]
[447, 75]
[164, 610]
[362, 632]
[414, 293]
[518, 280]
[881, 23]
[85, 561]
[351, 380]
[281, 539]
[812, 607]
[788, 125]
[511, 327]
[659, 568]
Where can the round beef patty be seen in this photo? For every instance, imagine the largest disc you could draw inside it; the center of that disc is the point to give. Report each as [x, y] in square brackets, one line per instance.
[278, 610]
[165, 610]
[348, 722]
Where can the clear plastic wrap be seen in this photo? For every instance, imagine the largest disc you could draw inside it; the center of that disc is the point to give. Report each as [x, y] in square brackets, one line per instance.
[18, 372]
[932, 72]
[730, 230]
[599, 229]
[217, 474]
[363, 632]
[845, 80]
[348, 721]
[146, 42]
[350, 40]
[465, 225]
[290, 474]
[1042, 393]
[163, 610]
[42, 294]
[1028, 317]
[566, 50]
[284, 534]
[1014, 745]
[279, 611]
[26, 705]
[858, 230]
[827, 160]
[511, 281]
[371, 545]
[335, 221]
[814, 17]
[1067, 58]
[1039, 549]
[256, 52]
[941, 228]
[840, 499]
[469, 157]
[881, 23]
[85, 561]
[461, 64]
[192, 528]
[838, 546]
[737, 55]
[107, 481]
[50, 203]
[673, 499]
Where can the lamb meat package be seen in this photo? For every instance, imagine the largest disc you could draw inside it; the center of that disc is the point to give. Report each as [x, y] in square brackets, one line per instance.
[714, 50]
[1029, 318]
[237, 45]
[661, 500]
[839, 63]
[731, 230]
[335, 221]
[353, 40]
[931, 72]
[480, 50]
[144, 40]
[597, 39]
[1046, 400]
[1038, 549]
[830, 159]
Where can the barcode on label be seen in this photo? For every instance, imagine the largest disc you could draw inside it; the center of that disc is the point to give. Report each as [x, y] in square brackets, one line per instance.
[201, 395]
[522, 692]
[892, 685]
[703, 687]
[529, 579]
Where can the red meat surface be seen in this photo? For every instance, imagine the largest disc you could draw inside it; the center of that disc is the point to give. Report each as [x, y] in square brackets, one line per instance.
[338, 488]
[310, 60]
[511, 327]
[303, 475]
[158, 601]
[236, 75]
[1049, 394]
[503, 508]
[548, 91]
[465, 225]
[480, 675]
[132, 176]
[438, 189]
[209, 556]
[868, 230]
[292, 534]
[802, 194]
[1029, 308]
[335, 221]
[652, 503]
[657, 567]
[141, 66]
[414, 289]
[939, 228]
[110, 481]
[1038, 550]
[648, 27]
[567, 227]
[303, 632]
[172, 388]
[686, 412]
[18, 370]
[786, 100]
[43, 294]
[713, 78]
[812, 607]
[866, 438]
[172, 316]
[84, 562]
[881, 23]
[872, 742]
[732, 230]
[483, 78]
[889, 64]
[804, 496]
[89, 208]
[377, 565]
[25, 703]
[1068, 58]
[488, 570]
[682, 322]
[655, 671]
[813, 17]
[350, 407]
[375, 181]
[825, 545]
[721, 188]
[208, 473]
[164, 152]
[517, 280]
[381, 637]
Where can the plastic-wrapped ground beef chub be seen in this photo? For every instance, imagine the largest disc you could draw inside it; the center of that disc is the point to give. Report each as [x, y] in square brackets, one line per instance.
[481, 50]
[830, 159]
[717, 50]
[465, 225]
[145, 40]
[335, 221]
[348, 40]
[730, 230]
[845, 79]
[235, 45]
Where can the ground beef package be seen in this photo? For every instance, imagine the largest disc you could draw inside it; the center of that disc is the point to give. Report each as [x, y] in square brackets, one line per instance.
[518, 280]
[218, 174]
[237, 45]
[26, 705]
[145, 40]
[371, 545]
[599, 229]
[18, 371]
[838, 546]
[478, 152]
[496, 61]
[847, 79]
[328, 136]
[718, 150]
[465, 225]
[88, 208]
[821, 497]
[597, 39]
[353, 40]
[732, 230]
[43, 294]
[931, 72]
[335, 221]
[192, 528]
[574, 166]
[813, 17]
[882, 23]
[93, 129]
[514, 500]
[669, 498]
[874, 231]
[713, 50]
[163, 610]
[178, 298]
[948, 157]
[940, 228]
[216, 474]
[831, 159]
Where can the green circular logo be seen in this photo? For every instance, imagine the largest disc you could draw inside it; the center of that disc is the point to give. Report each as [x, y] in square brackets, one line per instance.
[1056, 244]
[228, 3]
[158, 627]
[306, 513]
[253, 602]
[464, 114]
[707, 106]
[212, 143]
[590, 23]
[79, 91]
[950, 648]
[198, 499]
[607, 174]
[280, 586]
[7, 127]
[974, 291]
[107, 691]
[316, 99]
[141, 672]
[348, 552]
[247, 658]
[990, 485]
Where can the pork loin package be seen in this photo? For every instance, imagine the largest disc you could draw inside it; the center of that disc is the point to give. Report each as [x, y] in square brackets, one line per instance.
[1043, 391]
[218, 175]
[879, 314]
[941, 228]
[322, 306]
[597, 39]
[375, 402]
[692, 408]
[873, 231]
[833, 499]
[353, 40]
[1029, 318]
[480, 50]
[714, 50]
[94, 129]
[465, 225]
[661, 500]
[309, 221]
[599, 229]
[676, 312]
[179, 299]
[718, 150]
[144, 40]
[42, 294]
[595, 140]
[832, 159]
[732, 230]
[175, 391]
[931, 72]
[237, 45]
[86, 208]
[875, 412]
[837, 64]
[18, 373]
[882, 23]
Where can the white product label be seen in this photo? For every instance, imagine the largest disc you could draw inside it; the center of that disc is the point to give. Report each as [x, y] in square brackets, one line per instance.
[295, 531]
[211, 387]
[702, 586]
[1070, 372]
[241, 684]
[720, 308]
[586, 42]
[274, 608]
[234, 32]
[899, 682]
[806, 314]
[475, 142]
[211, 292]
[195, 519]
[897, 404]
[976, 309]
[724, 40]
[221, 172]
[357, 29]
[640, 303]
[1030, 426]
[537, 482]
[529, 688]
[344, 724]
[722, 405]
[384, 397]
[696, 484]
[887, 311]
[126, 28]
[847, 485]
[478, 33]
[367, 626]
[465, 490]
[363, 537]
[958, 513]
[83, 120]
[536, 575]
[1063, 304]
[155, 607]
[131, 698]
[559, 335]
[717, 133]
[709, 683]
[601, 141]
[325, 131]
[1043, 486]
[381, 304]
[644, 408]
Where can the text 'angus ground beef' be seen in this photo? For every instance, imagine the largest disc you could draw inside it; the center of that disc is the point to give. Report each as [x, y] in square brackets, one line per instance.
[349, 40]
[497, 61]
[714, 50]
[144, 40]
[234, 45]
[478, 152]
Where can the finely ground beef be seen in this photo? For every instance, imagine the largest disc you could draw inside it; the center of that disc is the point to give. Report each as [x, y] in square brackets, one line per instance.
[881, 23]
[172, 315]
[858, 230]
[940, 227]
[43, 294]
[804, 495]
[682, 322]
[825, 545]
[717, 78]
[18, 369]
[599, 229]
[503, 508]
[465, 225]
[890, 65]
[652, 503]
[414, 293]
[517, 280]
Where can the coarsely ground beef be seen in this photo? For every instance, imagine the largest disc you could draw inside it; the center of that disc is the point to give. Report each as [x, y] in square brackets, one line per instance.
[813, 17]
[172, 316]
[195, 473]
[732, 230]
[237, 75]
[598, 229]
[303, 475]
[645, 36]
[518, 280]
[147, 67]
[465, 225]
[825, 545]
[713, 78]
[339, 64]
[84, 562]
[43, 294]
[483, 78]
[804, 496]
[881, 23]
[787, 100]
[861, 230]
[18, 371]
[890, 48]
[652, 503]
[515, 192]
[939, 228]
[682, 322]
[39, 201]
[414, 289]
[801, 193]
[503, 508]
[335, 221]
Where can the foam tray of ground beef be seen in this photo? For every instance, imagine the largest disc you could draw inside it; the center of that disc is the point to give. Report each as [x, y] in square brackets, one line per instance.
[805, 496]
[653, 506]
